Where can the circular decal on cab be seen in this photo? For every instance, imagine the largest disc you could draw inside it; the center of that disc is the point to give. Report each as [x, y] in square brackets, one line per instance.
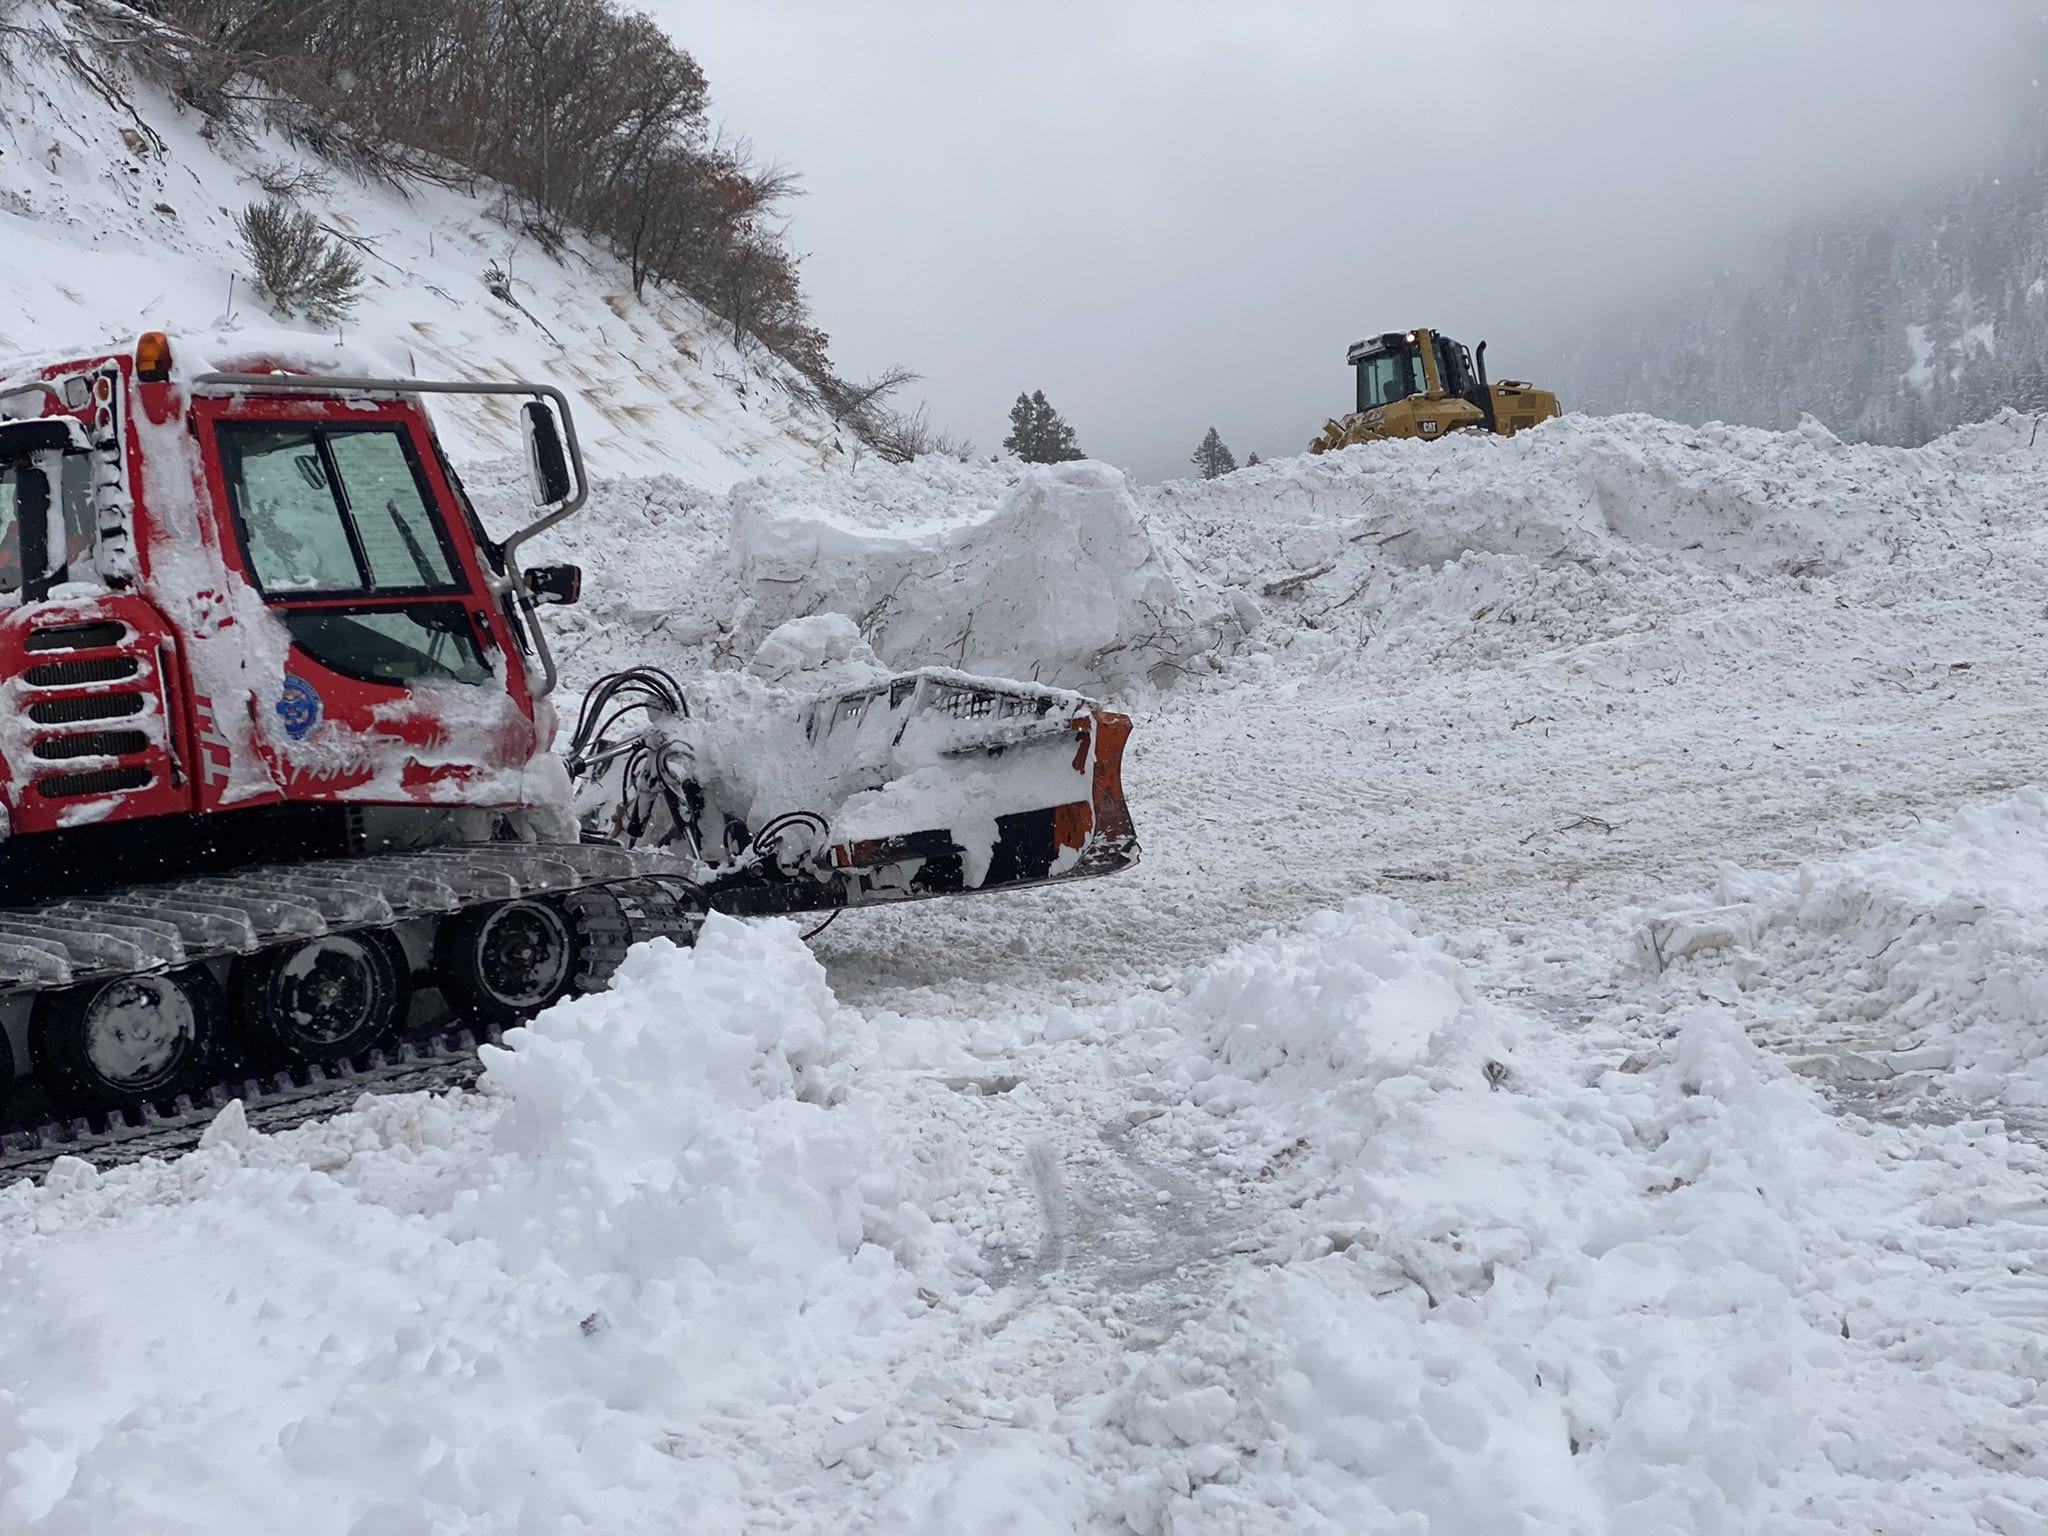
[298, 707]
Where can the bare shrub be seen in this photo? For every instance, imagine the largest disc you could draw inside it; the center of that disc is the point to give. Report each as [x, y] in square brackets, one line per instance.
[301, 269]
[293, 183]
[901, 436]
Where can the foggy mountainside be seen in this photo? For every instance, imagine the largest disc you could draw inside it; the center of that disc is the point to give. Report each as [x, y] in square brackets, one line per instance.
[1892, 324]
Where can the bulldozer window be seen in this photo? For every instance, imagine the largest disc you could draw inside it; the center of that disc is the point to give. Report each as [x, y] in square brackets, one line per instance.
[334, 509]
[1454, 366]
[1384, 378]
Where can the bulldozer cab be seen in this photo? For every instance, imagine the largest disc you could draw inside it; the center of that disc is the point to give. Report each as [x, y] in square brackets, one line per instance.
[1400, 365]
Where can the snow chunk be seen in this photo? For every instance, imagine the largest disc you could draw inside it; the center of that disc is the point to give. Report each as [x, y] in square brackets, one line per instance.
[827, 645]
[676, 1127]
[1055, 577]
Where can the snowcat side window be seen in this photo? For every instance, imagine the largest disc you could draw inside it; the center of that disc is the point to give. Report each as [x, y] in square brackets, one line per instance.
[10, 538]
[74, 562]
[81, 525]
[333, 510]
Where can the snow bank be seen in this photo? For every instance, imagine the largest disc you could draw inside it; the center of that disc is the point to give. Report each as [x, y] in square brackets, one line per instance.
[1047, 573]
[1926, 954]
[1499, 1297]
[671, 1225]
[1585, 487]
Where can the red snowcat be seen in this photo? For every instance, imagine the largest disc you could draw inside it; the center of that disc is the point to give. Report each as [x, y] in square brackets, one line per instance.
[278, 778]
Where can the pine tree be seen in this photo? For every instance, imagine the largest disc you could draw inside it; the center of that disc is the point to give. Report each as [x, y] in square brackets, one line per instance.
[1254, 459]
[1038, 434]
[1212, 458]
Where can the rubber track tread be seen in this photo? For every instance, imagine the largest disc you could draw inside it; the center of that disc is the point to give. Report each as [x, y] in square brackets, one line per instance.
[146, 928]
[447, 1059]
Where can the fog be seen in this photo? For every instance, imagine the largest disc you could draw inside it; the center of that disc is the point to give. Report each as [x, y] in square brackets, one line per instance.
[1172, 215]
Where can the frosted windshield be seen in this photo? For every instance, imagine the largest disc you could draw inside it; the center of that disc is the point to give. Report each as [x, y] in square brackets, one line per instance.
[333, 509]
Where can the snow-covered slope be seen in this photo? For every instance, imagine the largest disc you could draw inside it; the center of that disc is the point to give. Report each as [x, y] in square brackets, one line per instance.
[112, 225]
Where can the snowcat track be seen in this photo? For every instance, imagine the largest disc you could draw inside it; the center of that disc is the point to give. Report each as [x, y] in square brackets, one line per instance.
[616, 897]
[278, 1102]
[146, 928]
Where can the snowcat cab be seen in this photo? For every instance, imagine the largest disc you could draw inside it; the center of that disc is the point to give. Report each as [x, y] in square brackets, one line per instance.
[277, 766]
[1422, 384]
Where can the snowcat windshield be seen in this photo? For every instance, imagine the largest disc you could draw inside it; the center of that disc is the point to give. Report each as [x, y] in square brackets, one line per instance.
[334, 510]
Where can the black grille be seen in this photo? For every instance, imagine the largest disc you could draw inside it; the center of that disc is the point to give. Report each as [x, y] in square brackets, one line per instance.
[92, 744]
[104, 781]
[963, 704]
[100, 706]
[76, 637]
[101, 669]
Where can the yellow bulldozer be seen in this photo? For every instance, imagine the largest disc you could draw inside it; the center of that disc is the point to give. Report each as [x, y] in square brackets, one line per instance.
[1423, 384]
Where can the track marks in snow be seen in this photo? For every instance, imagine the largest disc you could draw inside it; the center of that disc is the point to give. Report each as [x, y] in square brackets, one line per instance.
[1136, 1233]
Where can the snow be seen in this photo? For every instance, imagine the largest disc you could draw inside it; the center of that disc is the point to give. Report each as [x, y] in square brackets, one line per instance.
[1669, 1156]
[1053, 576]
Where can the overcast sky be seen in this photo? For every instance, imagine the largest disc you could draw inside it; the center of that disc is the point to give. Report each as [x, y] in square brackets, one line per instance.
[1167, 215]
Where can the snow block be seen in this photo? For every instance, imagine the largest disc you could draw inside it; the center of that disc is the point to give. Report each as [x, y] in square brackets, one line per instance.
[1680, 935]
[1060, 580]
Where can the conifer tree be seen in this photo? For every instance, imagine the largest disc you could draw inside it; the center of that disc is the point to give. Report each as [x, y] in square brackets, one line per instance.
[1038, 434]
[1212, 458]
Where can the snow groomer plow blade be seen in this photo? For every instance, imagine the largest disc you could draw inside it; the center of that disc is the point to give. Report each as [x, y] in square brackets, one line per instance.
[930, 783]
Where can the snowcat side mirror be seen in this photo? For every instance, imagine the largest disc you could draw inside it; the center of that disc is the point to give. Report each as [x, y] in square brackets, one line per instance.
[544, 452]
[555, 583]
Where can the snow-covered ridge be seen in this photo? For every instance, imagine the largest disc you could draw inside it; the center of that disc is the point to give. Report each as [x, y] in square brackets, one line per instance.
[111, 226]
[1482, 550]
[1585, 488]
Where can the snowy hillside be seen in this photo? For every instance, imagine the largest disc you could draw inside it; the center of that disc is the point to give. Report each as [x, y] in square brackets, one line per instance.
[1570, 1061]
[112, 225]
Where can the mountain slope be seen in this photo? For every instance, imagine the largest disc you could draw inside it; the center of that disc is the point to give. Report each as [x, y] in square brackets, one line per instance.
[115, 220]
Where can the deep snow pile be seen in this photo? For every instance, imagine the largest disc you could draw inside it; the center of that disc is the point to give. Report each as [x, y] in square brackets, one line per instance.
[714, 1251]
[1041, 572]
[1052, 574]
[1928, 954]
[1477, 550]
[113, 225]
[1467, 552]
[1582, 487]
